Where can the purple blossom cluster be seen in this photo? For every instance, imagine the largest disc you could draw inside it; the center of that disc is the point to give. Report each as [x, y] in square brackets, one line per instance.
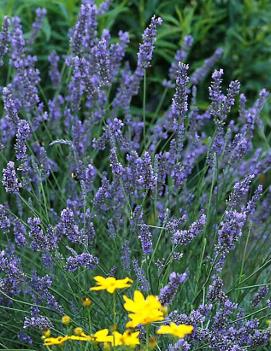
[168, 292]
[85, 260]
[93, 185]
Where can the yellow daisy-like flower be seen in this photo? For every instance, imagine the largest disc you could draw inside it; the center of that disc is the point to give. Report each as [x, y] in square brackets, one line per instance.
[110, 284]
[59, 340]
[144, 311]
[180, 330]
[86, 302]
[128, 338]
[46, 333]
[79, 331]
[66, 320]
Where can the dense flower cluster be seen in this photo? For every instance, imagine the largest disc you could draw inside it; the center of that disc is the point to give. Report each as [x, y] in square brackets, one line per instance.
[174, 194]
[143, 312]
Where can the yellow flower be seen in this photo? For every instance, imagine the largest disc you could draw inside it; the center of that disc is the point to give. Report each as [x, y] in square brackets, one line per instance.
[144, 311]
[46, 333]
[59, 340]
[56, 341]
[79, 331]
[180, 330]
[102, 336]
[86, 302]
[66, 320]
[110, 284]
[128, 338]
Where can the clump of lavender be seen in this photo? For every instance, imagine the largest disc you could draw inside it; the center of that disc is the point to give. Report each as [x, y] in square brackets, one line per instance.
[94, 185]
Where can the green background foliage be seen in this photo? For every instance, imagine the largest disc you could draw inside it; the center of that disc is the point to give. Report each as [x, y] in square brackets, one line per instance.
[242, 28]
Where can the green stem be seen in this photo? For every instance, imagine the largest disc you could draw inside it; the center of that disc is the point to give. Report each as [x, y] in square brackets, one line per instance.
[147, 337]
[244, 254]
[114, 309]
[144, 107]
[114, 316]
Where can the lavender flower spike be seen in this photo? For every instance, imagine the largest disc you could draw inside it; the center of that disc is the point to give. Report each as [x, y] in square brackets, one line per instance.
[83, 260]
[10, 180]
[183, 237]
[4, 39]
[180, 56]
[168, 292]
[23, 133]
[54, 73]
[37, 24]
[199, 75]
[145, 237]
[146, 48]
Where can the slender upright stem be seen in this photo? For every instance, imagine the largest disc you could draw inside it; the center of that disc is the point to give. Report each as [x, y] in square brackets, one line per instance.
[147, 337]
[144, 108]
[114, 317]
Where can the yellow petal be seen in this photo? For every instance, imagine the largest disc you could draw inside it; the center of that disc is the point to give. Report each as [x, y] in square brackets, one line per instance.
[111, 289]
[96, 288]
[138, 297]
[99, 279]
[164, 329]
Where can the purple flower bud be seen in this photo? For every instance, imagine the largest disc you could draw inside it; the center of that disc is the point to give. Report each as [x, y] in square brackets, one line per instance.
[140, 275]
[10, 180]
[104, 7]
[23, 133]
[145, 237]
[183, 237]
[126, 256]
[168, 292]
[4, 39]
[54, 73]
[260, 295]
[180, 56]
[19, 233]
[41, 241]
[144, 55]
[85, 260]
[199, 75]
[37, 24]
[37, 321]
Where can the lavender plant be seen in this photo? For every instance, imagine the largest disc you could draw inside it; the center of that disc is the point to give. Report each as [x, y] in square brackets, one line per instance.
[97, 181]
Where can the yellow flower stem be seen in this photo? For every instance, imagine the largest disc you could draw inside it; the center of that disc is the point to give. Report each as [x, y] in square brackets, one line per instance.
[114, 308]
[147, 337]
[89, 321]
[114, 316]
